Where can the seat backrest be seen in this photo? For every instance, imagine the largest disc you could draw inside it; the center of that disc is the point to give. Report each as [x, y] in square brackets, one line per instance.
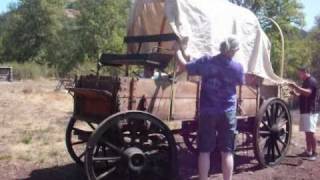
[151, 39]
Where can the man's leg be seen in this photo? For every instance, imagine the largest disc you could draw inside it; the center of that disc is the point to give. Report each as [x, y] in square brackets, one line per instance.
[227, 165]
[206, 143]
[314, 119]
[312, 142]
[203, 165]
[226, 136]
[308, 142]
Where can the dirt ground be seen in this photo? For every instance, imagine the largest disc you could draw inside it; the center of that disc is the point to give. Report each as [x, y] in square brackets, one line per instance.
[33, 119]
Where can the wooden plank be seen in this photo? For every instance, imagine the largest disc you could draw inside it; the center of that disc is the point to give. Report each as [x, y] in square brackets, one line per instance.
[247, 92]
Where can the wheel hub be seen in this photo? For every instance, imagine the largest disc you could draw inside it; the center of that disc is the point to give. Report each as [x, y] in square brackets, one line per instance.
[276, 130]
[136, 158]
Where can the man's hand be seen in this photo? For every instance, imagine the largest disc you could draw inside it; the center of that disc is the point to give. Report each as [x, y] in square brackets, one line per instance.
[299, 90]
[292, 85]
[294, 93]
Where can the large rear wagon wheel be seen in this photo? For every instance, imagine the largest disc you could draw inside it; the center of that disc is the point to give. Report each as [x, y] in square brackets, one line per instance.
[77, 136]
[272, 132]
[131, 145]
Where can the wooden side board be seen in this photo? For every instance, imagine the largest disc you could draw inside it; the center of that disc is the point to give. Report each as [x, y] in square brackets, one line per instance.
[161, 98]
[157, 95]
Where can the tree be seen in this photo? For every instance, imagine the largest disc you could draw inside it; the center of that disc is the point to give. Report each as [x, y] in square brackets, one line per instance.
[102, 26]
[254, 5]
[35, 24]
[314, 39]
[288, 14]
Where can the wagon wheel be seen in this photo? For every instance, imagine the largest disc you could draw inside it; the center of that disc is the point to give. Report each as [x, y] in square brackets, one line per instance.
[131, 145]
[189, 135]
[272, 132]
[77, 136]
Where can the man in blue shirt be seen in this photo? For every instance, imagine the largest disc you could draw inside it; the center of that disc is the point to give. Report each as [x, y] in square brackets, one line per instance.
[217, 123]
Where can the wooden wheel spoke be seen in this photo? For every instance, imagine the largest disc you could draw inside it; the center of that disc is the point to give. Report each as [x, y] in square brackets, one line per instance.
[273, 151]
[96, 152]
[283, 133]
[81, 132]
[82, 154]
[91, 125]
[282, 112]
[268, 148]
[113, 147]
[274, 113]
[265, 133]
[265, 125]
[281, 141]
[78, 130]
[116, 158]
[151, 152]
[193, 138]
[268, 118]
[277, 148]
[105, 174]
[283, 122]
[78, 142]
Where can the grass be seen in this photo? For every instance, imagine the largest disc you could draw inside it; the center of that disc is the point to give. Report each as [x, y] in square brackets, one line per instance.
[27, 139]
[5, 157]
[35, 71]
[30, 70]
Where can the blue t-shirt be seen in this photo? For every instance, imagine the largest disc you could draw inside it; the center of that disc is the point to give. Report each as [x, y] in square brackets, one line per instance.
[220, 76]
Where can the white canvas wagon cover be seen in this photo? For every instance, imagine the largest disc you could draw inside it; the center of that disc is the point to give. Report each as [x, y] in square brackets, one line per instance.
[202, 25]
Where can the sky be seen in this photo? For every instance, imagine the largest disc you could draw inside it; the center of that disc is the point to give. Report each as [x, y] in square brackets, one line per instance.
[4, 5]
[311, 9]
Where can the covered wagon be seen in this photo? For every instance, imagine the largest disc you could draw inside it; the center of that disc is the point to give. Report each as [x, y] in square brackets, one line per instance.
[123, 127]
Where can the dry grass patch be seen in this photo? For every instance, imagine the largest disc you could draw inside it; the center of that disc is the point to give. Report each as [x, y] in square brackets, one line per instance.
[33, 122]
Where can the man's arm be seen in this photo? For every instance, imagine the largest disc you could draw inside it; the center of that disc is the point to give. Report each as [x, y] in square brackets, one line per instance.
[300, 90]
[192, 66]
[241, 75]
[182, 59]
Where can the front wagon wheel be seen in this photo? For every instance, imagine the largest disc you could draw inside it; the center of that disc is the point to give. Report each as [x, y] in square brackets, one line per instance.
[131, 145]
[272, 133]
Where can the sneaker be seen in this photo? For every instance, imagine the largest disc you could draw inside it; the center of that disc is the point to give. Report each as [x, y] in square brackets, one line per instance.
[305, 154]
[311, 157]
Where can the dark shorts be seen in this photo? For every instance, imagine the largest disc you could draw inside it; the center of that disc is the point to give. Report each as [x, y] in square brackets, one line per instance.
[217, 130]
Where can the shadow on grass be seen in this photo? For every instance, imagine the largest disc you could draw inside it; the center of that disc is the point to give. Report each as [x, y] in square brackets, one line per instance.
[188, 164]
[187, 168]
[67, 172]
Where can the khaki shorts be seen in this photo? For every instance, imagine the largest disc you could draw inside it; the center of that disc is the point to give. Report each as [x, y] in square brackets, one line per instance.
[308, 122]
